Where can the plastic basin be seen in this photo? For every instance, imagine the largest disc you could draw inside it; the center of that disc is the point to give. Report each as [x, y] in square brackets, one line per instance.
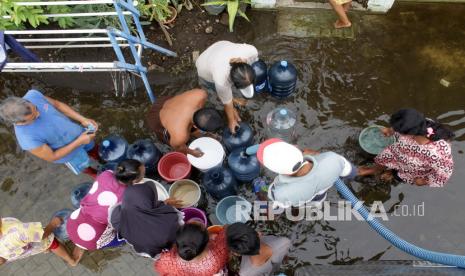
[233, 209]
[186, 190]
[213, 153]
[174, 166]
[161, 191]
[194, 215]
[373, 141]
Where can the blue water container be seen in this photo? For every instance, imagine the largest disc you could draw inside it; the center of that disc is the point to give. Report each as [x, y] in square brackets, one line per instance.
[244, 167]
[60, 232]
[145, 152]
[79, 192]
[241, 139]
[220, 182]
[282, 78]
[113, 149]
[261, 76]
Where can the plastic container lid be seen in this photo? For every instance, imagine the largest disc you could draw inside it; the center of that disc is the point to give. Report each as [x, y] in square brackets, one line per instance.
[283, 63]
[162, 192]
[106, 143]
[283, 111]
[213, 153]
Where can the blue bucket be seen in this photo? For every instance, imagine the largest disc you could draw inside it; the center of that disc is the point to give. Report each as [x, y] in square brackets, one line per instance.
[233, 209]
[60, 232]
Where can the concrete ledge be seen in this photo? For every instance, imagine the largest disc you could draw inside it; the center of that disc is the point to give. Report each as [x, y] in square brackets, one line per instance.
[313, 5]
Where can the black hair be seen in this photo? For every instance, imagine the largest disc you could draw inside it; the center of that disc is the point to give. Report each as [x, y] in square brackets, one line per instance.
[411, 122]
[208, 119]
[127, 171]
[242, 239]
[241, 74]
[191, 240]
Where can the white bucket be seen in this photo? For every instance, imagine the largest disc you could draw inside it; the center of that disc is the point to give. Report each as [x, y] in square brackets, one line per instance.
[162, 192]
[213, 153]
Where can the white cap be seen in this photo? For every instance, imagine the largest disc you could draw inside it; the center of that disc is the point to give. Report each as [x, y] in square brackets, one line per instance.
[279, 156]
[248, 91]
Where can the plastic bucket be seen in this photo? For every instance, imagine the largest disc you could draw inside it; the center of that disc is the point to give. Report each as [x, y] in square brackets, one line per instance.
[174, 166]
[373, 141]
[233, 209]
[186, 190]
[213, 153]
[194, 214]
[161, 191]
[215, 229]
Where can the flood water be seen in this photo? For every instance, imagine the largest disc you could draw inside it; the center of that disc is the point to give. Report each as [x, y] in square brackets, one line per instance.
[395, 60]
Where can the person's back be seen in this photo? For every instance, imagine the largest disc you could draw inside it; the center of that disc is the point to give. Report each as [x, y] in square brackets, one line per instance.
[326, 168]
[260, 254]
[51, 127]
[177, 112]
[213, 64]
[105, 191]
[206, 262]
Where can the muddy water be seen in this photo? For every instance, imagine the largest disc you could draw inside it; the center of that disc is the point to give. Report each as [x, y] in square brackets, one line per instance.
[395, 61]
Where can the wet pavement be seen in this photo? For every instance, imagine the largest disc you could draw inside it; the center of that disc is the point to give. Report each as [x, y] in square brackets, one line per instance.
[344, 84]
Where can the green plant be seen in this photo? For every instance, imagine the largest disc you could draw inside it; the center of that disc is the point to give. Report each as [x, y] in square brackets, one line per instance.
[155, 10]
[233, 9]
[20, 15]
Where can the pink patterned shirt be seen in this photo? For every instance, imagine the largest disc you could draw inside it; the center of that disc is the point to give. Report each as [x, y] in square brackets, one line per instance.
[432, 161]
[170, 264]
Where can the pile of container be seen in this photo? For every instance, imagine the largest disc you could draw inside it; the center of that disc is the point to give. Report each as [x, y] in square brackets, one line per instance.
[221, 168]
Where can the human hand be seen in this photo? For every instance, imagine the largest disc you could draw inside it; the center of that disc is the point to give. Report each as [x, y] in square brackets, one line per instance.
[56, 222]
[196, 152]
[85, 138]
[86, 122]
[233, 126]
[176, 203]
[387, 131]
[420, 181]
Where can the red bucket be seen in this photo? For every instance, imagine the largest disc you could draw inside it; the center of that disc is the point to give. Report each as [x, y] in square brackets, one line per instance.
[174, 166]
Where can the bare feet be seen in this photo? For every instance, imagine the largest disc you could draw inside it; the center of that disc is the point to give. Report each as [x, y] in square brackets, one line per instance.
[77, 254]
[339, 24]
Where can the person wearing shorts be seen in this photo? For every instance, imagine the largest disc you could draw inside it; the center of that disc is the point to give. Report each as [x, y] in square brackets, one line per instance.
[175, 119]
[20, 240]
[44, 127]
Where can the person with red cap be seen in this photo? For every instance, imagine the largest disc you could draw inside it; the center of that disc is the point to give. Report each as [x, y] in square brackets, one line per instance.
[303, 176]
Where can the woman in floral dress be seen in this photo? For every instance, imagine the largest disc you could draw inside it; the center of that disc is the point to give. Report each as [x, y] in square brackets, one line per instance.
[421, 155]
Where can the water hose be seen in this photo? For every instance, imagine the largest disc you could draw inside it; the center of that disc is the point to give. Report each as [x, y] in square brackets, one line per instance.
[432, 256]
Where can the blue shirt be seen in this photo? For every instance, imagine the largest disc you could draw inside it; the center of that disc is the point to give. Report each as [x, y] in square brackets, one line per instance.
[327, 168]
[52, 128]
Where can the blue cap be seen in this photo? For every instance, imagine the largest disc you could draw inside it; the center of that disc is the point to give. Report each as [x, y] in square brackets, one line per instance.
[252, 149]
[106, 143]
[283, 111]
[283, 63]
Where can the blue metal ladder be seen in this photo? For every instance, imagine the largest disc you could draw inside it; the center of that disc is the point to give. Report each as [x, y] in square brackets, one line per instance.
[121, 6]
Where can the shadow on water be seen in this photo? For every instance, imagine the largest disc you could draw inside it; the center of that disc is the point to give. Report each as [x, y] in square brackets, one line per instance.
[393, 61]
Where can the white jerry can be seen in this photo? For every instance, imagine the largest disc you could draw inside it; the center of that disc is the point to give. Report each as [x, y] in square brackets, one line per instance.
[263, 4]
[380, 5]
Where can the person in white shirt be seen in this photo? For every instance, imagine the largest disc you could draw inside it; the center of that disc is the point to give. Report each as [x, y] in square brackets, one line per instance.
[224, 66]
